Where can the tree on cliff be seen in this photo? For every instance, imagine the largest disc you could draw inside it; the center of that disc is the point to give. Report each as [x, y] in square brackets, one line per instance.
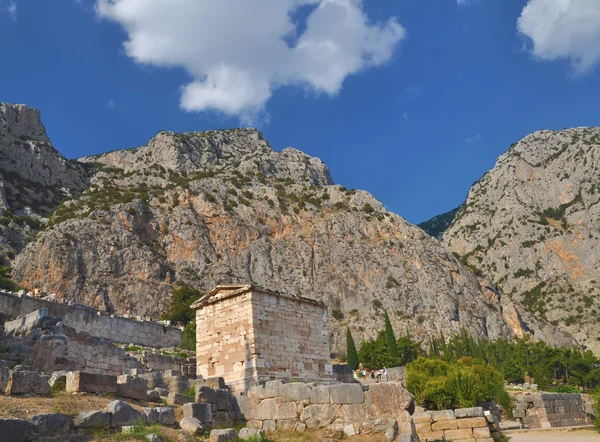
[352, 355]
[179, 312]
[392, 345]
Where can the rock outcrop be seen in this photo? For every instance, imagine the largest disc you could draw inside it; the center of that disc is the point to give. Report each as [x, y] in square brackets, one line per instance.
[532, 224]
[208, 208]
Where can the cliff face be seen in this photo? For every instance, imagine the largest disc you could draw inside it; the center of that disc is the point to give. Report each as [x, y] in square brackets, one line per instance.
[532, 224]
[218, 207]
[34, 177]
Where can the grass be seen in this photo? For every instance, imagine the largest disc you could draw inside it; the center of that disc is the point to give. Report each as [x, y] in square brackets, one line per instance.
[139, 433]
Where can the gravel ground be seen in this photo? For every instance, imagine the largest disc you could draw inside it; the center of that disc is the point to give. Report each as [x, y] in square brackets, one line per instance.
[556, 436]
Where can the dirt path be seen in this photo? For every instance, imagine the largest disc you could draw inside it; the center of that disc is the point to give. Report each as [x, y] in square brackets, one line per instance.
[556, 436]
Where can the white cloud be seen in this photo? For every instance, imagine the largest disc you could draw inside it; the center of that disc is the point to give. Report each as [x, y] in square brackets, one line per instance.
[563, 29]
[474, 139]
[405, 116]
[9, 7]
[110, 104]
[239, 52]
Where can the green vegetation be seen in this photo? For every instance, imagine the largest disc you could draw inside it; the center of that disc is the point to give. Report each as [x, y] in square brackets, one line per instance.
[139, 433]
[439, 385]
[337, 314]
[392, 345]
[376, 353]
[6, 283]
[351, 354]
[179, 312]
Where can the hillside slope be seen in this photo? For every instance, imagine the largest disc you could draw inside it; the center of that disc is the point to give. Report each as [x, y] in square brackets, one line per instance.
[532, 224]
[216, 207]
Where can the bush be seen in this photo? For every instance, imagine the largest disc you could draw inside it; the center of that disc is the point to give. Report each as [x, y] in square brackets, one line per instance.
[337, 314]
[367, 208]
[179, 312]
[438, 384]
[351, 353]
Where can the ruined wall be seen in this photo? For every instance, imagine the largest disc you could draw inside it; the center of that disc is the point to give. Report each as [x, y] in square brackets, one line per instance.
[94, 322]
[548, 410]
[63, 348]
[472, 424]
[259, 335]
[380, 408]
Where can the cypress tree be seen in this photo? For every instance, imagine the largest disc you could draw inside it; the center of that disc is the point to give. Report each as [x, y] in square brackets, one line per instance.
[352, 355]
[390, 339]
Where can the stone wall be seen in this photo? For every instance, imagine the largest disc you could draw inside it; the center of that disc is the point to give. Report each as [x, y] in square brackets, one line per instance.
[463, 424]
[63, 348]
[548, 410]
[95, 322]
[257, 336]
[382, 408]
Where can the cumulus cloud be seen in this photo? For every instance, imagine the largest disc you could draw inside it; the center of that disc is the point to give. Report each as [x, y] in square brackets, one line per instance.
[474, 139]
[9, 7]
[563, 29]
[239, 52]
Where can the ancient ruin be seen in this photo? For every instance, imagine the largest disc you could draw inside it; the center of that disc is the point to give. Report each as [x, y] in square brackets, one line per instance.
[247, 334]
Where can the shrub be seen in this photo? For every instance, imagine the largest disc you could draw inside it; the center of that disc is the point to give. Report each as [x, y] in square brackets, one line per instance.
[351, 351]
[179, 311]
[337, 314]
[367, 208]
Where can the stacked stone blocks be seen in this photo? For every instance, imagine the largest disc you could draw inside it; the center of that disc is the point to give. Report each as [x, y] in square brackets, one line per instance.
[463, 424]
[549, 410]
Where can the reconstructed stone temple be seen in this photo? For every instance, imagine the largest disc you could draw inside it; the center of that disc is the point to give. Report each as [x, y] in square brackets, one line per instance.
[247, 334]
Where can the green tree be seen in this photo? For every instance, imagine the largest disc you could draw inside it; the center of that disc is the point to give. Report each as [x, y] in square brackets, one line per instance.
[179, 312]
[392, 346]
[351, 352]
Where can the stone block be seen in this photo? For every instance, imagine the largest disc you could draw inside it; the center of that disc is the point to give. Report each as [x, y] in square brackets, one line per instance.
[84, 382]
[225, 435]
[92, 419]
[270, 426]
[472, 422]
[15, 430]
[296, 391]
[450, 424]
[458, 434]
[265, 410]
[202, 412]
[389, 398]
[353, 413]
[481, 433]
[153, 396]
[58, 381]
[123, 414]
[319, 415]
[320, 394]
[300, 427]
[286, 424]
[205, 394]
[287, 410]
[51, 424]
[192, 426]
[442, 415]
[222, 419]
[27, 382]
[346, 394]
[423, 427]
[432, 435]
[224, 400]
[460, 413]
[216, 383]
[422, 417]
[251, 433]
[349, 430]
[179, 399]
[407, 438]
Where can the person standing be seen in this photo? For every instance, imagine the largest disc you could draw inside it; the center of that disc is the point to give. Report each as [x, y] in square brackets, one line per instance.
[385, 375]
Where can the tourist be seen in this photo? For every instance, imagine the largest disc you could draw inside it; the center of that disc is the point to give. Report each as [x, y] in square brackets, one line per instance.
[385, 376]
[372, 374]
[378, 375]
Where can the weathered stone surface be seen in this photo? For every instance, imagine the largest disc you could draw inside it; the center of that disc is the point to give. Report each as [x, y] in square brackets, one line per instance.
[433, 435]
[79, 381]
[127, 429]
[225, 435]
[222, 419]
[192, 426]
[472, 422]
[123, 414]
[51, 424]
[319, 394]
[481, 433]
[295, 391]
[448, 424]
[458, 434]
[15, 430]
[27, 382]
[442, 415]
[92, 419]
[411, 438]
[353, 413]
[205, 394]
[153, 438]
[58, 381]
[387, 398]
[419, 418]
[202, 412]
[224, 400]
[161, 415]
[244, 408]
[287, 410]
[266, 409]
[270, 426]
[319, 415]
[346, 394]
[153, 395]
[248, 433]
[468, 412]
[178, 399]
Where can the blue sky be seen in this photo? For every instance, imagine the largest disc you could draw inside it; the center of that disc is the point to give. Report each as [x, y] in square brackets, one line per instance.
[415, 111]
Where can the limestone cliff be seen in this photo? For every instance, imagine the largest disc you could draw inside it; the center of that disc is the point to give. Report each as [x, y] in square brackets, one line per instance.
[216, 207]
[532, 224]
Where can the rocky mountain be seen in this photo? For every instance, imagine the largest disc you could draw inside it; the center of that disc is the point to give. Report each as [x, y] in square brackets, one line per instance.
[437, 225]
[207, 208]
[34, 177]
[532, 224]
